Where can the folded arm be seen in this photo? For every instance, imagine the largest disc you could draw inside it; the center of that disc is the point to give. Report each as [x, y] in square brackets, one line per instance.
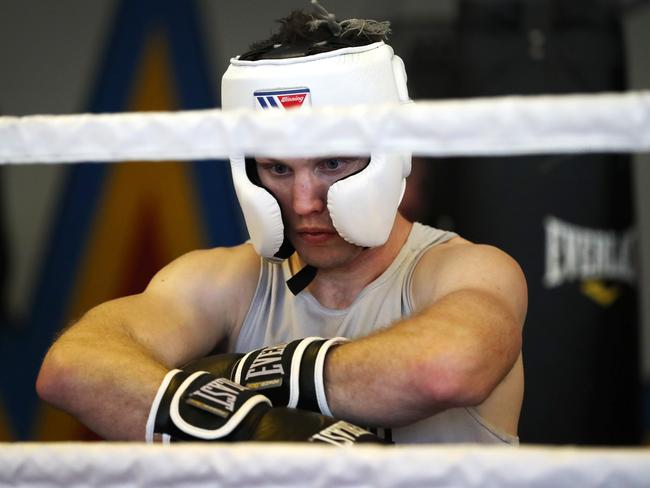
[459, 346]
[106, 368]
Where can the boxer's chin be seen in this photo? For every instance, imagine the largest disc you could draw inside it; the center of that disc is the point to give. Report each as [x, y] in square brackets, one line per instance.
[337, 254]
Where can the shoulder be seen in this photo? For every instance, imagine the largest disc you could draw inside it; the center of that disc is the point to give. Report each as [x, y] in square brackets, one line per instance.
[213, 282]
[460, 265]
[227, 265]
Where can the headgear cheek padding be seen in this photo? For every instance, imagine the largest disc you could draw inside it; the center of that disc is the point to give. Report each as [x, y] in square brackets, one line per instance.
[363, 206]
[261, 211]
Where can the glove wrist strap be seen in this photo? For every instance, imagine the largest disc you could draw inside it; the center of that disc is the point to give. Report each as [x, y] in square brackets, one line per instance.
[319, 374]
[153, 412]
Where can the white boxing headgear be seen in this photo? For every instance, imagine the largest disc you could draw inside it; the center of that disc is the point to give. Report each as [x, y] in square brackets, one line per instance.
[362, 206]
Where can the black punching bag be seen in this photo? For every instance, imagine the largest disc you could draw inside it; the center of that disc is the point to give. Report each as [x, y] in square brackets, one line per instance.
[566, 219]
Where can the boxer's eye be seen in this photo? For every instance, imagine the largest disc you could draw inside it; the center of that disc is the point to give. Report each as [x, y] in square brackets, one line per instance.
[333, 164]
[280, 169]
[343, 166]
[276, 169]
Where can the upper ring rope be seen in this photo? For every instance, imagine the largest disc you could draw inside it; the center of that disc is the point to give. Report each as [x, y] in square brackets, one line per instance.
[485, 126]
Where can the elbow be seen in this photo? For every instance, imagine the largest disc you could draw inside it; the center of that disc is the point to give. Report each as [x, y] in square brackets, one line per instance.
[53, 378]
[467, 376]
[456, 382]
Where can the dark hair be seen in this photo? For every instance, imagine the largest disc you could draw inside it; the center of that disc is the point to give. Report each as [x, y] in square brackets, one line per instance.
[302, 34]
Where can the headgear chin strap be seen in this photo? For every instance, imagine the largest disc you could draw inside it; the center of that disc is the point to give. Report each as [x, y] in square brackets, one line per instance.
[362, 206]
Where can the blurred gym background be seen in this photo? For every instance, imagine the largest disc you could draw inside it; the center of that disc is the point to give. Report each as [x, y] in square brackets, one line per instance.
[72, 236]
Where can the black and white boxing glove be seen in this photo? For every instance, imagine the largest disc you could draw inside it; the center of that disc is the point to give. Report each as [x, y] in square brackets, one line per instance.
[289, 374]
[201, 407]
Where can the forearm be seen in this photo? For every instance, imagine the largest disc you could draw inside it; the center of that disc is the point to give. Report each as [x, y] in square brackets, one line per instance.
[104, 378]
[452, 354]
[371, 385]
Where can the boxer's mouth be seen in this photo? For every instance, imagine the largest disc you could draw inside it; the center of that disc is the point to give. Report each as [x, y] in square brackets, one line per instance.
[315, 235]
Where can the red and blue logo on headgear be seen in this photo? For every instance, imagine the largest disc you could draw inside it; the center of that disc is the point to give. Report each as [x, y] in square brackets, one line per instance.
[283, 98]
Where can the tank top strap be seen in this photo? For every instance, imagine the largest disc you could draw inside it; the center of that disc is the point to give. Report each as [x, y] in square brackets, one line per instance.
[422, 239]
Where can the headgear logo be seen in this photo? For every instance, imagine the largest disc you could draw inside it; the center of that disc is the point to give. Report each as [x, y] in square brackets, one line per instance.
[284, 98]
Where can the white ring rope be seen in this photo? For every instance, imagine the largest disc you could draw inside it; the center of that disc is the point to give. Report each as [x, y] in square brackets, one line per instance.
[485, 126]
[248, 465]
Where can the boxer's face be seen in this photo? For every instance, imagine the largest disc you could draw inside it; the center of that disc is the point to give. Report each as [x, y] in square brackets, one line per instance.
[301, 186]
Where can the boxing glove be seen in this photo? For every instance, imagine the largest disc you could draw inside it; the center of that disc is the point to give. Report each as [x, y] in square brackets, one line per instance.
[221, 365]
[199, 406]
[289, 374]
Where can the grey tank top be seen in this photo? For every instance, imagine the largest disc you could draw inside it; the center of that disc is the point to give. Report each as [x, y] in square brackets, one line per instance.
[277, 316]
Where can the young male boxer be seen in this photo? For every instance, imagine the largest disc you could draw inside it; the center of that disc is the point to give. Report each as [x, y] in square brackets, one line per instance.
[337, 305]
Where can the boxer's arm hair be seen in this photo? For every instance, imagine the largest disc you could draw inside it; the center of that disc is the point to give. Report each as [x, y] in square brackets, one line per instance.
[106, 368]
[453, 352]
